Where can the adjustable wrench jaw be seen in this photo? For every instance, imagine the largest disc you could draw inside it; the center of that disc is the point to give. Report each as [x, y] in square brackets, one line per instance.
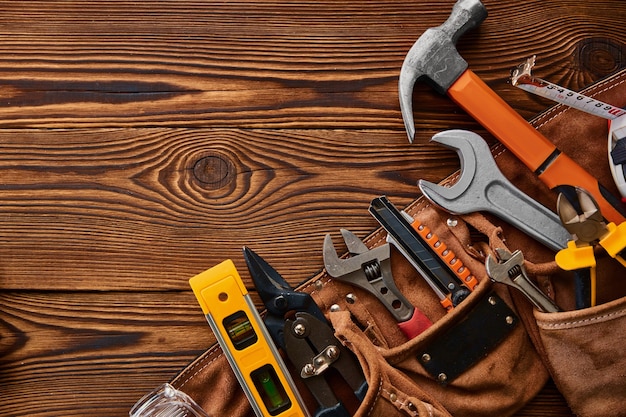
[369, 270]
[509, 269]
[434, 57]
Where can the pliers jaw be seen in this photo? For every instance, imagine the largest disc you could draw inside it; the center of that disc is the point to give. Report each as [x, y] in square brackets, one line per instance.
[580, 215]
[369, 269]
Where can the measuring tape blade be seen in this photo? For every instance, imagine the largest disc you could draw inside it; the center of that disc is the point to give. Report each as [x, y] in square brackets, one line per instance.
[521, 77]
[246, 342]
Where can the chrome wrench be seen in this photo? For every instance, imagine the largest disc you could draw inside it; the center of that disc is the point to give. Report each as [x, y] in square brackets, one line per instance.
[509, 270]
[483, 187]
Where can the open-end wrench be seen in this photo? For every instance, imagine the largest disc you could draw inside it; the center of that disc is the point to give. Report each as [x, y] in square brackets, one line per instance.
[509, 269]
[482, 187]
[434, 58]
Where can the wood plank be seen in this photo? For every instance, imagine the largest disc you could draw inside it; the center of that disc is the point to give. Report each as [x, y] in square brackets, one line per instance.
[111, 209]
[277, 65]
[93, 353]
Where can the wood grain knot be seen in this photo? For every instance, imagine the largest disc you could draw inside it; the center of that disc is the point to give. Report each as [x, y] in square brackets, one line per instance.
[601, 56]
[214, 170]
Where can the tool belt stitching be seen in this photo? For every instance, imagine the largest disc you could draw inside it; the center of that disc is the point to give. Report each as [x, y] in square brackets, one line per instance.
[498, 150]
[575, 323]
[377, 397]
[201, 362]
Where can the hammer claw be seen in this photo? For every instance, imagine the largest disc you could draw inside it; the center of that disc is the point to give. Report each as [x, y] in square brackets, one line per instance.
[434, 57]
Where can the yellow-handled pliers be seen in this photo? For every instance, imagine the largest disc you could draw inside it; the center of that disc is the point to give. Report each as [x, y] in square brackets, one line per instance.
[581, 216]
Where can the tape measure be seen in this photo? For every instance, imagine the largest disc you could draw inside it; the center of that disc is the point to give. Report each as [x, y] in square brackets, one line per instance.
[521, 77]
[617, 153]
[246, 342]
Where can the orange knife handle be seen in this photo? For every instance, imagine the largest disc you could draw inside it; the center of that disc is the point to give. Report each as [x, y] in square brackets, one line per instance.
[527, 143]
[446, 255]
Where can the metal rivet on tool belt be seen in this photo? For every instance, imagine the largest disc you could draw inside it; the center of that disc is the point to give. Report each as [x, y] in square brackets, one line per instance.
[411, 406]
[452, 222]
[351, 298]
[393, 397]
[319, 285]
[442, 377]
[509, 320]
[335, 307]
[492, 301]
[425, 357]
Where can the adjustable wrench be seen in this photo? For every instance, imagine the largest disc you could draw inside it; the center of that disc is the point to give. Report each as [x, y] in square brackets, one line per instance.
[509, 270]
[434, 58]
[485, 188]
[370, 269]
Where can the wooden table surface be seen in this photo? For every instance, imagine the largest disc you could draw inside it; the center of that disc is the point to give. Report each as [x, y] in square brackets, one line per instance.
[144, 142]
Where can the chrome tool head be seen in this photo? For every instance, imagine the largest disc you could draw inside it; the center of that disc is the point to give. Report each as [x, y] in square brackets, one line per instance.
[434, 58]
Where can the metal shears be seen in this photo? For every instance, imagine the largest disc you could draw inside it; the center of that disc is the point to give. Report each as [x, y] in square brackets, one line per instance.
[300, 329]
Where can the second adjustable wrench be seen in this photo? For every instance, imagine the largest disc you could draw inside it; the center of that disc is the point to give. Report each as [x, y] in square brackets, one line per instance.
[509, 270]
[482, 187]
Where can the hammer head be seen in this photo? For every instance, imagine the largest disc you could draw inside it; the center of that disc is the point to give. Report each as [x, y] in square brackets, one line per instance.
[434, 57]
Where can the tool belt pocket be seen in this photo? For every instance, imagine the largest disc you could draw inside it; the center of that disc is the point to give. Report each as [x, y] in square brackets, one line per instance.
[469, 362]
[390, 393]
[586, 355]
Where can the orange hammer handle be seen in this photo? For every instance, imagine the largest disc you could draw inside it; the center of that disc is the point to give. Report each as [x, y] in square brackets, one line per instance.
[527, 143]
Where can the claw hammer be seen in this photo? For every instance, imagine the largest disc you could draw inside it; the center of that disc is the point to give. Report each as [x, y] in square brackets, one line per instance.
[435, 59]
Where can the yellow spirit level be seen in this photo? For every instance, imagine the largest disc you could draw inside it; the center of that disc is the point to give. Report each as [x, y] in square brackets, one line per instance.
[246, 343]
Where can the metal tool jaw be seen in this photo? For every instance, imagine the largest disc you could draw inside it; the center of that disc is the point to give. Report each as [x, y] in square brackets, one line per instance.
[369, 269]
[299, 327]
[581, 216]
[509, 269]
[277, 295]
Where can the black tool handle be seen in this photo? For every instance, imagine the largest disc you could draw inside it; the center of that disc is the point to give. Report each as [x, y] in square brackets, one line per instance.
[420, 253]
[583, 287]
